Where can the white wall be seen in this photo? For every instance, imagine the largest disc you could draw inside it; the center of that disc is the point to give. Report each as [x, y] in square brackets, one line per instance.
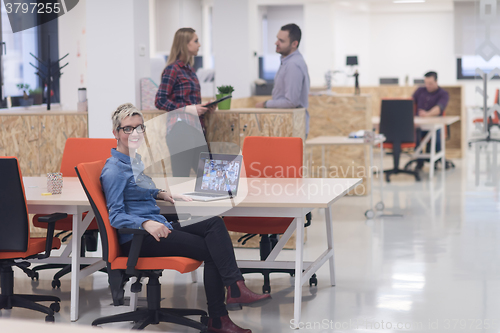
[73, 40]
[318, 40]
[234, 61]
[114, 63]
[278, 16]
[172, 15]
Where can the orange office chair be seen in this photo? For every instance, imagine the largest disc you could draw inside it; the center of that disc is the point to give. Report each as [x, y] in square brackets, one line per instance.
[268, 157]
[397, 125]
[16, 243]
[76, 150]
[120, 268]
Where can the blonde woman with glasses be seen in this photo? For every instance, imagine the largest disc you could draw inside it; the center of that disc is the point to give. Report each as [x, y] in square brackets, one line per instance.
[131, 200]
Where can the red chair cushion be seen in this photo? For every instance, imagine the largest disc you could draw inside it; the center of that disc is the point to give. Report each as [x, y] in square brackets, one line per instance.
[403, 145]
[180, 264]
[35, 246]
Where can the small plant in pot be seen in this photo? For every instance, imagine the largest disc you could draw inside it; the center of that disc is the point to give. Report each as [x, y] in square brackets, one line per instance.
[26, 100]
[224, 91]
[37, 95]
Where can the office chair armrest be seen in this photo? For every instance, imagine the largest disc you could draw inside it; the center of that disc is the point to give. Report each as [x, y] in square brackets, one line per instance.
[135, 248]
[51, 220]
[132, 231]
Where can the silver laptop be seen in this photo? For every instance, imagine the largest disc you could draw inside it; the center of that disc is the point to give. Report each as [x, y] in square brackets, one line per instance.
[217, 177]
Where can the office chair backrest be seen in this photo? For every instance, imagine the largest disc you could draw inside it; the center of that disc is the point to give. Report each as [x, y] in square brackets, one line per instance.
[81, 150]
[396, 120]
[272, 157]
[14, 223]
[89, 175]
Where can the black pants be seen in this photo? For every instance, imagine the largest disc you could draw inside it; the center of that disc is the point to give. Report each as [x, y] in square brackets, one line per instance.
[206, 241]
[185, 144]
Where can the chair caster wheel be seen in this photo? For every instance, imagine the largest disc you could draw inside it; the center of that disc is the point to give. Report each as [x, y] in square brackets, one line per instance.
[387, 178]
[49, 319]
[417, 177]
[380, 206]
[56, 284]
[292, 274]
[35, 276]
[313, 281]
[266, 289]
[370, 214]
[204, 320]
[56, 307]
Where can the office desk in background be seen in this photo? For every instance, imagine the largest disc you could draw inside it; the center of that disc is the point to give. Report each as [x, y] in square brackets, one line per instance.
[299, 196]
[325, 141]
[432, 125]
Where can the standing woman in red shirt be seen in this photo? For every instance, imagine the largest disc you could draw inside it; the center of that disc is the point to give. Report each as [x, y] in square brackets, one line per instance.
[179, 91]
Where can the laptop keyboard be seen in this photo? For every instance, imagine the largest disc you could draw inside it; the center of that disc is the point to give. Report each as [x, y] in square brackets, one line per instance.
[207, 194]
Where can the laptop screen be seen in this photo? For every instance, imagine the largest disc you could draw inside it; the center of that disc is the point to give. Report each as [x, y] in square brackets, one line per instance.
[218, 173]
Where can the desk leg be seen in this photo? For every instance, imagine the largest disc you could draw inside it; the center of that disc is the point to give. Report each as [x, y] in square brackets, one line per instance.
[75, 265]
[477, 144]
[370, 174]
[443, 150]
[381, 173]
[299, 246]
[329, 241]
[433, 153]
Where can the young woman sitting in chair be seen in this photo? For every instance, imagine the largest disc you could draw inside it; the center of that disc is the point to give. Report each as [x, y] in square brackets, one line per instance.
[131, 199]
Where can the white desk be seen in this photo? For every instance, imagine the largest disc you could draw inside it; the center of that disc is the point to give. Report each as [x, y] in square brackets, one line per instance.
[325, 141]
[432, 125]
[72, 201]
[257, 197]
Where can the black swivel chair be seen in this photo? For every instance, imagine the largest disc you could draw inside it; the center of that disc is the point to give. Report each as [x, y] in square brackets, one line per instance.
[16, 244]
[396, 123]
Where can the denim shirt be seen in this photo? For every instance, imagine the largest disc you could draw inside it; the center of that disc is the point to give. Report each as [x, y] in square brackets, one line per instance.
[130, 194]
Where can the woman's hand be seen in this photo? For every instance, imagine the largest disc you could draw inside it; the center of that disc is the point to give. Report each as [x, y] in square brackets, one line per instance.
[181, 197]
[166, 197]
[201, 109]
[156, 229]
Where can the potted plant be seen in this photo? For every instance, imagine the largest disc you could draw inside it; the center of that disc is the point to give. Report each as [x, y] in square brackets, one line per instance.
[224, 91]
[25, 101]
[37, 95]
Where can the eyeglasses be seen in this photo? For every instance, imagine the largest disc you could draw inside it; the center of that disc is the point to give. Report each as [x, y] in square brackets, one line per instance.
[129, 129]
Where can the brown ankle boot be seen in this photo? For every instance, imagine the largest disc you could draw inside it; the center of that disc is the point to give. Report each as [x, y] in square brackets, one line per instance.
[245, 296]
[225, 325]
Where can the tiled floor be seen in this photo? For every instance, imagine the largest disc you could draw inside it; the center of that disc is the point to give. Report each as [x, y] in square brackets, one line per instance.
[437, 268]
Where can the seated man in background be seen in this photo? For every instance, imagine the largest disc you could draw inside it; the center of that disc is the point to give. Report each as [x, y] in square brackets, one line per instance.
[431, 101]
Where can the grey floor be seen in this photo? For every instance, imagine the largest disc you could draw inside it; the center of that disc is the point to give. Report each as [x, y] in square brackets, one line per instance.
[437, 268]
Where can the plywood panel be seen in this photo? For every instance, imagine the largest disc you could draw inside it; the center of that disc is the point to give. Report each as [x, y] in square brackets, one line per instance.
[223, 127]
[19, 137]
[340, 115]
[54, 130]
[455, 106]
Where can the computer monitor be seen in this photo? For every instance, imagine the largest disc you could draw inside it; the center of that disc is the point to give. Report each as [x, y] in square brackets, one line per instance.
[351, 60]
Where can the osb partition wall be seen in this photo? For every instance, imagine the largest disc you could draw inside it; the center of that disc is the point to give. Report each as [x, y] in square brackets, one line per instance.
[339, 115]
[455, 108]
[38, 140]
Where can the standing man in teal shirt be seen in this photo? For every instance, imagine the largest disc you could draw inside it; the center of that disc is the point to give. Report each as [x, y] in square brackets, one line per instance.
[291, 84]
